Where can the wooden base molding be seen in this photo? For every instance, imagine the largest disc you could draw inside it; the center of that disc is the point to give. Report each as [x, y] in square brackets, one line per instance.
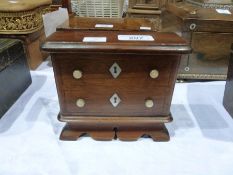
[106, 130]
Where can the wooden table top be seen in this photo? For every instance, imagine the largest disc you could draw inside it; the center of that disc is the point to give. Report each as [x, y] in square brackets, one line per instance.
[85, 23]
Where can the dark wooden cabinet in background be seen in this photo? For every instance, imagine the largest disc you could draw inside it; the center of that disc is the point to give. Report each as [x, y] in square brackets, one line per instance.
[14, 73]
[115, 88]
[210, 34]
[228, 94]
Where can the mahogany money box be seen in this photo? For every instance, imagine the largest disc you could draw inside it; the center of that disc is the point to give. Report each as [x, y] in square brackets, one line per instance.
[116, 83]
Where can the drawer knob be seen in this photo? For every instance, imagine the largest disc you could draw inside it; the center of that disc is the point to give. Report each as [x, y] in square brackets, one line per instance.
[80, 103]
[77, 74]
[154, 73]
[192, 26]
[149, 103]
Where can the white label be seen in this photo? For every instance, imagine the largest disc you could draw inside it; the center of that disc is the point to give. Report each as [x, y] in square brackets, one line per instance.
[94, 39]
[223, 11]
[51, 20]
[135, 38]
[145, 28]
[103, 26]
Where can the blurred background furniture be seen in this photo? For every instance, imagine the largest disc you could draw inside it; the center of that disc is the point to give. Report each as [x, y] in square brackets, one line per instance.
[220, 4]
[228, 94]
[14, 73]
[150, 9]
[97, 8]
[158, 3]
[106, 24]
[22, 19]
[210, 33]
[67, 4]
[56, 4]
[151, 12]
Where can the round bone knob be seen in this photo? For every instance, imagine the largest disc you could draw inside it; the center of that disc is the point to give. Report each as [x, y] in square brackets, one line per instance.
[149, 103]
[192, 26]
[80, 103]
[154, 73]
[194, 12]
[77, 74]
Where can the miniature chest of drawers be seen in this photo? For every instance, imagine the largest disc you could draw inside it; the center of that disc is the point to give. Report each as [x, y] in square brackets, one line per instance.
[119, 88]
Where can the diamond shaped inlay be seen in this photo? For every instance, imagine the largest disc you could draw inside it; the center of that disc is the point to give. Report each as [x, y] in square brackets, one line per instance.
[115, 100]
[115, 70]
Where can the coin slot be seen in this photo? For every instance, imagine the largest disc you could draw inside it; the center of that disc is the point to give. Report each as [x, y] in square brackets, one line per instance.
[115, 70]
[115, 100]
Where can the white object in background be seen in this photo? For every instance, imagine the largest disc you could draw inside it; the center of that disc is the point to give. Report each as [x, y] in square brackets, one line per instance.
[135, 38]
[54, 19]
[103, 26]
[223, 11]
[145, 28]
[94, 39]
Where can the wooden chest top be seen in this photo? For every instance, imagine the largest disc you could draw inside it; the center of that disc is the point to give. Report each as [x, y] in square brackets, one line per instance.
[73, 41]
[129, 24]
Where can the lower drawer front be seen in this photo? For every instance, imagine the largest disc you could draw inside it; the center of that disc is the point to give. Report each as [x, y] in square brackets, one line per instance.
[132, 102]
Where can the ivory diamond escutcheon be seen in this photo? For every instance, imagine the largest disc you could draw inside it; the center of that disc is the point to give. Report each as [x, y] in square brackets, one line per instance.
[115, 70]
[115, 100]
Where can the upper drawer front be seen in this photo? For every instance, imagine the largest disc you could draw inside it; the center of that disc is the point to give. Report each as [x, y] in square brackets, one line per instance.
[134, 70]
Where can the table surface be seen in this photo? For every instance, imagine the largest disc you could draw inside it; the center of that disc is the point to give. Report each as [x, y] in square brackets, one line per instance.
[201, 137]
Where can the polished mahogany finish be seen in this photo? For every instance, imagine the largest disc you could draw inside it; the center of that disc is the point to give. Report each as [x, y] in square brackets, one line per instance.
[228, 94]
[115, 88]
